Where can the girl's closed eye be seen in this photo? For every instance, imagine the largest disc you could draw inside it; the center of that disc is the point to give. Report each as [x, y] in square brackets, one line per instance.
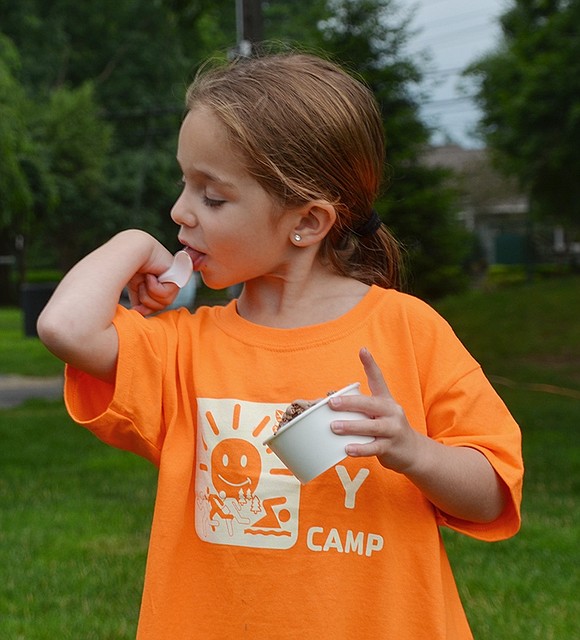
[213, 202]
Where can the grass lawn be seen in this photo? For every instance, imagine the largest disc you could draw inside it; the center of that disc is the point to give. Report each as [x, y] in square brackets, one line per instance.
[527, 587]
[74, 522]
[528, 339]
[75, 514]
[22, 355]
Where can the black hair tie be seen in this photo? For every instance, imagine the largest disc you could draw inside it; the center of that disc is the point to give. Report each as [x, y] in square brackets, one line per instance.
[368, 227]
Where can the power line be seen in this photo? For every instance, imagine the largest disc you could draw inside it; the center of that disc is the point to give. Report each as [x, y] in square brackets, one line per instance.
[460, 17]
[436, 2]
[443, 39]
[444, 72]
[449, 101]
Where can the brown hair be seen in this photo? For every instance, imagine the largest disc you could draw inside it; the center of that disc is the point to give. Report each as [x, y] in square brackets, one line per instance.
[308, 131]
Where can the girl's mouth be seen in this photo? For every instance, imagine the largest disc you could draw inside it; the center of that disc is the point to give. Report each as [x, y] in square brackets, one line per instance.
[196, 257]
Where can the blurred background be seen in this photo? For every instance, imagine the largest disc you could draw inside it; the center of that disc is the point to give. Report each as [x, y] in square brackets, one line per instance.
[480, 105]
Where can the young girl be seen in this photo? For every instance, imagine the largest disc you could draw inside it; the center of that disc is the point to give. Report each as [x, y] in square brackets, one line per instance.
[282, 158]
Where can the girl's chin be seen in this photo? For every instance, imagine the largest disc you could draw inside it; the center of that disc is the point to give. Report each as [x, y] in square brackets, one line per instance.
[214, 283]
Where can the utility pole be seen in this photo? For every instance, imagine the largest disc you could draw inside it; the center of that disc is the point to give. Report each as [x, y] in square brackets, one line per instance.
[248, 26]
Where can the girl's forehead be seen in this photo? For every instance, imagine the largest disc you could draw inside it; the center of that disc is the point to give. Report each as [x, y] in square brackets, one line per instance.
[203, 140]
[203, 123]
[207, 156]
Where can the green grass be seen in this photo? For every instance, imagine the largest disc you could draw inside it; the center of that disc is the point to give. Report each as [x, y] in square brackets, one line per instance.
[20, 354]
[528, 331]
[526, 587]
[75, 518]
[75, 514]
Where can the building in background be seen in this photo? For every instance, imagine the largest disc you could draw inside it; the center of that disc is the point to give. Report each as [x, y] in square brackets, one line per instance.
[497, 212]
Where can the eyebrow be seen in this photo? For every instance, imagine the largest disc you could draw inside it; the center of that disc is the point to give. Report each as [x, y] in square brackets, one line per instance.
[213, 178]
[208, 175]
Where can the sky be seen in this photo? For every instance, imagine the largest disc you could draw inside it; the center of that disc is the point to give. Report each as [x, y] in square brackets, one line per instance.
[454, 33]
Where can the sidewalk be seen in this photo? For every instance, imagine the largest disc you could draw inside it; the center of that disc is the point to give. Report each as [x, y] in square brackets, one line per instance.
[16, 389]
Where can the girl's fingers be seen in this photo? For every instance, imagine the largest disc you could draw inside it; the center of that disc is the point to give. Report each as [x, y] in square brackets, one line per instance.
[154, 295]
[376, 380]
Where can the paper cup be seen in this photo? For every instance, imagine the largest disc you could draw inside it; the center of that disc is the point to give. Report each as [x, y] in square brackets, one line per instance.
[308, 446]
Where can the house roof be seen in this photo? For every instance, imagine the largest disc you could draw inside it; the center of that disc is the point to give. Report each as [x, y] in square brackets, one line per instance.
[452, 156]
[481, 185]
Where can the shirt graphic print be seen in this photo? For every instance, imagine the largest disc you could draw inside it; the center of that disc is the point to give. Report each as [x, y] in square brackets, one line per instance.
[244, 495]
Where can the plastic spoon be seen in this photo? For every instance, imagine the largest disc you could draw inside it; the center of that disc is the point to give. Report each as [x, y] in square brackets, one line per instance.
[180, 271]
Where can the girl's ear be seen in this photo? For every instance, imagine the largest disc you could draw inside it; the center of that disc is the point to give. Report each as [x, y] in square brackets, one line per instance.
[315, 221]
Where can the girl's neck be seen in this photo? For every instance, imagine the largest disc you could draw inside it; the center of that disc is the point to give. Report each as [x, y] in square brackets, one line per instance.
[286, 304]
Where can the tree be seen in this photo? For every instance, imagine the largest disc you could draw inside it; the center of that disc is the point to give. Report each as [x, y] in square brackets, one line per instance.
[53, 161]
[15, 194]
[26, 185]
[75, 143]
[370, 36]
[529, 93]
[138, 56]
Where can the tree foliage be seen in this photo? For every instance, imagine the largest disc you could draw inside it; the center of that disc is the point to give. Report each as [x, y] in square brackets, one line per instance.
[130, 52]
[52, 175]
[371, 37]
[75, 141]
[15, 144]
[105, 83]
[529, 92]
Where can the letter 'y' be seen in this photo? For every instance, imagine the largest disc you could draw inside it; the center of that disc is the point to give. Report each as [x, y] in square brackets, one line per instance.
[351, 485]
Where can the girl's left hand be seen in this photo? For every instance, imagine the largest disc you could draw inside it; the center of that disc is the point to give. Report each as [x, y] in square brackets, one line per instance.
[396, 444]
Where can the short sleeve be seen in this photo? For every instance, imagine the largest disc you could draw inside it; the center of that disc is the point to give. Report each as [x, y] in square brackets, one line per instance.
[471, 414]
[462, 409]
[127, 414]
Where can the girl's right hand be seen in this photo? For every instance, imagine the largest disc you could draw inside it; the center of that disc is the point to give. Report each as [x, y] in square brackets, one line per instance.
[147, 295]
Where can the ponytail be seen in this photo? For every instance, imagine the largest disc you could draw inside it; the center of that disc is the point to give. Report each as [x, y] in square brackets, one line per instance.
[375, 258]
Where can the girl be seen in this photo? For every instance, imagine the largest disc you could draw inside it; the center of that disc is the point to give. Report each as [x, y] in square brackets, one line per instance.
[282, 158]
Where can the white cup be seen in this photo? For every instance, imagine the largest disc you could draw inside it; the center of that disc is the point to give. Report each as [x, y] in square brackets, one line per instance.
[308, 446]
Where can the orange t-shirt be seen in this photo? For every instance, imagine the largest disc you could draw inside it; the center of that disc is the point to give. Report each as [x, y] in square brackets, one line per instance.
[238, 547]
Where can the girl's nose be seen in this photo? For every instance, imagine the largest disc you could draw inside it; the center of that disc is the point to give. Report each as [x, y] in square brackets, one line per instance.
[181, 214]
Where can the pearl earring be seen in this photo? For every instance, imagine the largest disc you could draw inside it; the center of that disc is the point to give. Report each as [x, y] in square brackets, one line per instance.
[297, 237]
